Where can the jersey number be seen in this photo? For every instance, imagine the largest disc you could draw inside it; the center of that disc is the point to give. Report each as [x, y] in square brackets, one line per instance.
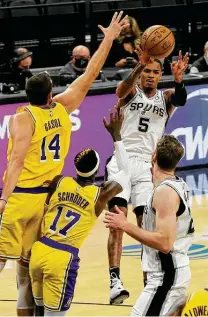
[143, 124]
[73, 218]
[54, 146]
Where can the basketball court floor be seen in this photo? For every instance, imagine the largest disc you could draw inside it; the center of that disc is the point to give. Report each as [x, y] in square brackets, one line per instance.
[92, 291]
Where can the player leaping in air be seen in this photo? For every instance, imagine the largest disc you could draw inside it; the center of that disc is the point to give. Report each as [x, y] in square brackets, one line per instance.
[146, 112]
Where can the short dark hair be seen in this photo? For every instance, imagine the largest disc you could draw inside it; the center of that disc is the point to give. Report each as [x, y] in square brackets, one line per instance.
[169, 151]
[38, 88]
[159, 62]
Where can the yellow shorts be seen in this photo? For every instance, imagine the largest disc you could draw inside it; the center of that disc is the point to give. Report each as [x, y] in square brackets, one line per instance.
[53, 273]
[20, 225]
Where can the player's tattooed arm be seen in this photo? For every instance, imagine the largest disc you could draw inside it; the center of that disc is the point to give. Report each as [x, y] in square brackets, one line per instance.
[73, 96]
[127, 87]
[108, 191]
[21, 128]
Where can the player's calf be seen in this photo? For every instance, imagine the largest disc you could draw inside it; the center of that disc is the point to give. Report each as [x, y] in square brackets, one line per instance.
[117, 292]
[139, 215]
[25, 302]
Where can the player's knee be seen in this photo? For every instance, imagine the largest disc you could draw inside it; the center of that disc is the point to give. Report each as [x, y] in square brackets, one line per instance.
[25, 297]
[2, 264]
[39, 302]
[120, 202]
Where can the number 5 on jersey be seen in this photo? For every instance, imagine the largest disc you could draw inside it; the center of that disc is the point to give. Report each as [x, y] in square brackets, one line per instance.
[53, 146]
[143, 124]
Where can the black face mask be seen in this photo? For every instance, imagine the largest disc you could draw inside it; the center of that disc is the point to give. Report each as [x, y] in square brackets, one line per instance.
[81, 62]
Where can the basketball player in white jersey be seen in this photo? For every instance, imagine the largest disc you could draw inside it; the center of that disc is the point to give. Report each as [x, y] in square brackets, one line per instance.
[146, 112]
[166, 234]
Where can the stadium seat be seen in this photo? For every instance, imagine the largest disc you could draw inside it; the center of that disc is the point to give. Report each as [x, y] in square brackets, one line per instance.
[24, 8]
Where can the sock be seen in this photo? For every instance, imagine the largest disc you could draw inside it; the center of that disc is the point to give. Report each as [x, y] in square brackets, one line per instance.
[39, 310]
[114, 272]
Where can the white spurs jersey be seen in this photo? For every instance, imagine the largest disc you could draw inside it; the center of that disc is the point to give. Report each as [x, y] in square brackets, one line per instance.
[156, 261]
[144, 123]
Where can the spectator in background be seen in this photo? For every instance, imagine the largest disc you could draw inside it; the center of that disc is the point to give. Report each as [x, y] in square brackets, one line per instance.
[201, 64]
[16, 71]
[123, 53]
[76, 66]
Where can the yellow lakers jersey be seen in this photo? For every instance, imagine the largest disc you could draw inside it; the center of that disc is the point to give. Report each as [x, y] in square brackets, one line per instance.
[197, 304]
[71, 212]
[49, 146]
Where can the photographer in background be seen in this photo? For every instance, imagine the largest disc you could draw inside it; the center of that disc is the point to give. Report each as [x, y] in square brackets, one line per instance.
[16, 71]
[123, 51]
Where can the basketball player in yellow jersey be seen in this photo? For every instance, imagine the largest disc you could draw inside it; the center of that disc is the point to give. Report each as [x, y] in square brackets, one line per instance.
[73, 208]
[39, 142]
[196, 305]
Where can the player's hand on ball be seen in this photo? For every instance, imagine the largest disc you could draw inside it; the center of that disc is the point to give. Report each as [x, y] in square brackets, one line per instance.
[143, 56]
[115, 124]
[178, 67]
[116, 26]
[115, 220]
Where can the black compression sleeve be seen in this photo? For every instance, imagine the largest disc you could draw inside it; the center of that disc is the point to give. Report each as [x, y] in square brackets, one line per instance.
[178, 99]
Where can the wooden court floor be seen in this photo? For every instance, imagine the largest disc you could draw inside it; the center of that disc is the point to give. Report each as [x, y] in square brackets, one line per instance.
[92, 291]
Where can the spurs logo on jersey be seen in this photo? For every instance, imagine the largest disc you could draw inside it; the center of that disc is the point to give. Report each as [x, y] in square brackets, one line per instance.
[144, 123]
[155, 261]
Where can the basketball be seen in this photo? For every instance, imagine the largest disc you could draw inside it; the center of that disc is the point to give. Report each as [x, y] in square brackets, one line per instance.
[158, 41]
[196, 304]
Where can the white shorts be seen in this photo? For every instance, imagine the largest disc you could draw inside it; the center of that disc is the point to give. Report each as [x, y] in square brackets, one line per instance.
[140, 185]
[163, 293]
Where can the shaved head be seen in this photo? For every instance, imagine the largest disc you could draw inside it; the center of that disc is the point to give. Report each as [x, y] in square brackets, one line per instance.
[81, 50]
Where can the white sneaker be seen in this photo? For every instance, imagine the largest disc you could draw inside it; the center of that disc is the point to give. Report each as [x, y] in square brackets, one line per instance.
[117, 292]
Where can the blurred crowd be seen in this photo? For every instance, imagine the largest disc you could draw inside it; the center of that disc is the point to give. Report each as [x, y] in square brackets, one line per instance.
[15, 72]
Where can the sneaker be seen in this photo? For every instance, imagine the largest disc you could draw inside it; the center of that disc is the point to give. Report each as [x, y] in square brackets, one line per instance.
[117, 292]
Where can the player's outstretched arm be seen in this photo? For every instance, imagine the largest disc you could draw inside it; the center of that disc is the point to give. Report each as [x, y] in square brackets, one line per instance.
[21, 130]
[177, 97]
[166, 203]
[72, 97]
[116, 183]
[127, 87]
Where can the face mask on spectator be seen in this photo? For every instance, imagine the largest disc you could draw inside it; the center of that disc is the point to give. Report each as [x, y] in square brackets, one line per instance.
[81, 62]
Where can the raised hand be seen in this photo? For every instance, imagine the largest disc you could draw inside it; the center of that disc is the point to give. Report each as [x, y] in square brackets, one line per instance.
[115, 124]
[116, 26]
[178, 67]
[144, 58]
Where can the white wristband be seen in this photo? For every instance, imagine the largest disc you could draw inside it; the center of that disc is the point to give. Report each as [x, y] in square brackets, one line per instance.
[121, 156]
